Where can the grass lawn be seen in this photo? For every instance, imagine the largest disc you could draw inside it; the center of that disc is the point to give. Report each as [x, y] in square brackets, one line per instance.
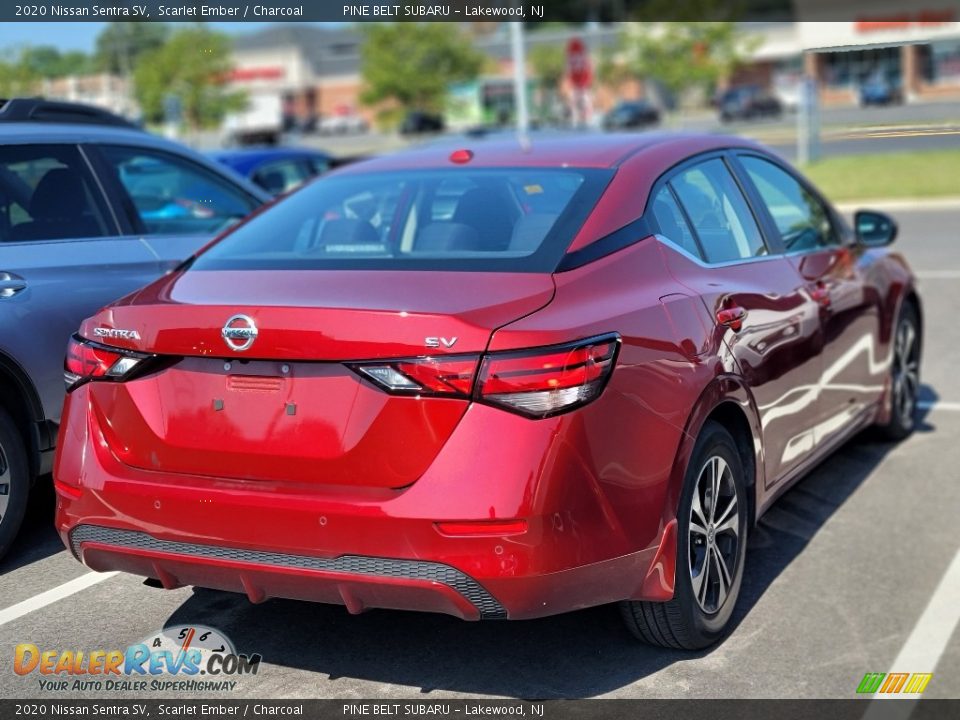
[924, 174]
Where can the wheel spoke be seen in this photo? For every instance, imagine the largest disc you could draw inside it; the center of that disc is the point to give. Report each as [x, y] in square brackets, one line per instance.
[701, 582]
[717, 466]
[727, 511]
[696, 509]
[723, 577]
[696, 528]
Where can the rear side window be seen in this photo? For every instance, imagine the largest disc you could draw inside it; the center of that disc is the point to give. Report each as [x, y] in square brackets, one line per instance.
[458, 219]
[721, 218]
[47, 193]
[283, 176]
[174, 196]
[801, 219]
[671, 222]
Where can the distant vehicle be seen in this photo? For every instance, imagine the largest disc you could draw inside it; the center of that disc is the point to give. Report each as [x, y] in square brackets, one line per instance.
[348, 123]
[879, 89]
[418, 122]
[277, 170]
[748, 102]
[631, 115]
[260, 123]
[91, 208]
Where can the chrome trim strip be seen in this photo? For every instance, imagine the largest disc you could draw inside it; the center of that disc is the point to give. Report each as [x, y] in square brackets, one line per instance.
[476, 594]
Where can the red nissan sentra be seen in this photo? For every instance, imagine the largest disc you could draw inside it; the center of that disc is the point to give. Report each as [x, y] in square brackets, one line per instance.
[499, 382]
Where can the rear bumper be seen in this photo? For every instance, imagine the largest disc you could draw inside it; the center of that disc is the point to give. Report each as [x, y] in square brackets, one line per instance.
[369, 547]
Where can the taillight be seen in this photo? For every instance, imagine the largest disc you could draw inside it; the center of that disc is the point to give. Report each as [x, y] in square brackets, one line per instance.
[547, 381]
[91, 361]
[537, 383]
[445, 376]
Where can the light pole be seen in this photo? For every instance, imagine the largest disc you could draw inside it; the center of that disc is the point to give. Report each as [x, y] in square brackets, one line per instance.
[519, 55]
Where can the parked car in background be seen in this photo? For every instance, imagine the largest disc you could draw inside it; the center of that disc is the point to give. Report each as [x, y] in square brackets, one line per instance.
[343, 123]
[511, 380]
[879, 89]
[91, 208]
[632, 115]
[748, 102]
[277, 170]
[418, 122]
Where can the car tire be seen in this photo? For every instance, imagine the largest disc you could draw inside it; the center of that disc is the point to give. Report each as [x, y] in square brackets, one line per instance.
[14, 481]
[904, 376]
[699, 613]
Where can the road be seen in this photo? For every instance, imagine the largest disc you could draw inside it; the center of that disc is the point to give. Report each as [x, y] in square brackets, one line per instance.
[839, 577]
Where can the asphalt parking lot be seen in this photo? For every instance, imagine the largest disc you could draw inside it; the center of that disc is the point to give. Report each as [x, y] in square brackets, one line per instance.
[853, 571]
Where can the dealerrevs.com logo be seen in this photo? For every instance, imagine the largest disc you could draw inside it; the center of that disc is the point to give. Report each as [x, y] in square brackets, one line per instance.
[182, 658]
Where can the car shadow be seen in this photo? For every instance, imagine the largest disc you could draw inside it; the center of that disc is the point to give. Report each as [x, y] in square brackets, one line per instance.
[580, 654]
[37, 538]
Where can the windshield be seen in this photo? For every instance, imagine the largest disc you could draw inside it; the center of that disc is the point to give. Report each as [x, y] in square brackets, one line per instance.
[501, 219]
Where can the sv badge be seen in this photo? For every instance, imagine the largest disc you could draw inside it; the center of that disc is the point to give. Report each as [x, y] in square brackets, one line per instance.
[435, 342]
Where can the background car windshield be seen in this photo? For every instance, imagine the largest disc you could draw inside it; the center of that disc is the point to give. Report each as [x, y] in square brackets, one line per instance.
[484, 219]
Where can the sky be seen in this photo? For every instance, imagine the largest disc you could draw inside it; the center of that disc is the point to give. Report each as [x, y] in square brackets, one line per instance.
[80, 35]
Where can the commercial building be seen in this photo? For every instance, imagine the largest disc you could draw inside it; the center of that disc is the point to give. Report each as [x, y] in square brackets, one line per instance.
[316, 70]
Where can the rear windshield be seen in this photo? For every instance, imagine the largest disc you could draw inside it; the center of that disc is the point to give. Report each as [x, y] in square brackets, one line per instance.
[510, 220]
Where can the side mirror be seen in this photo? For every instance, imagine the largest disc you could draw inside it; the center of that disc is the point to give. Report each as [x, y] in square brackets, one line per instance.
[874, 229]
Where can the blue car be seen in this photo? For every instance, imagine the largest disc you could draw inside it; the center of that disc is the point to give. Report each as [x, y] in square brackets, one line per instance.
[878, 89]
[277, 170]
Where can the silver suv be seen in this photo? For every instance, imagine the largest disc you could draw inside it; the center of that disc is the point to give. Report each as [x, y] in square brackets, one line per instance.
[91, 208]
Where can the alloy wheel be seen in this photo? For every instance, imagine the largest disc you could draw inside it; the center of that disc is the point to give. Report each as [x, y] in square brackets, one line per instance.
[5, 482]
[714, 534]
[906, 372]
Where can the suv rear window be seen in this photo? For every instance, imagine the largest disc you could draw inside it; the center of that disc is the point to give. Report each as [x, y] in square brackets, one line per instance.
[500, 219]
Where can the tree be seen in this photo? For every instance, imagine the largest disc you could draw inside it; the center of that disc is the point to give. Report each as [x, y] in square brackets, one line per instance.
[16, 78]
[413, 64]
[549, 63]
[679, 55]
[120, 44]
[190, 66]
[46, 61]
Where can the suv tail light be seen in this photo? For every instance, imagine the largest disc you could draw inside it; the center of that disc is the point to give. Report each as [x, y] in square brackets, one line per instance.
[547, 381]
[537, 383]
[91, 361]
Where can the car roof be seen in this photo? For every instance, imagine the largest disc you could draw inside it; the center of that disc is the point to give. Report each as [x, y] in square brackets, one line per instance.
[246, 159]
[48, 133]
[549, 149]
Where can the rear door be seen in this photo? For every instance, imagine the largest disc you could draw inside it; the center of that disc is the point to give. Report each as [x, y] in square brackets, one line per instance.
[61, 259]
[853, 371]
[173, 202]
[753, 293]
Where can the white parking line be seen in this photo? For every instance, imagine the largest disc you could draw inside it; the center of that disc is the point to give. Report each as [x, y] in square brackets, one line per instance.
[939, 405]
[927, 641]
[51, 596]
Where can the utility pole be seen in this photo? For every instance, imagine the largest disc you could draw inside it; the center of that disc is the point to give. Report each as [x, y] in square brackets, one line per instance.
[519, 55]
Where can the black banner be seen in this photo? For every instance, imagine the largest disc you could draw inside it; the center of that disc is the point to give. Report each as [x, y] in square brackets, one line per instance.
[531, 11]
[393, 709]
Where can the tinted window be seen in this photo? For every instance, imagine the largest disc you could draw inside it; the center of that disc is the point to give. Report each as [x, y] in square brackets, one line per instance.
[671, 222]
[173, 195]
[801, 219]
[47, 193]
[283, 176]
[496, 219]
[721, 217]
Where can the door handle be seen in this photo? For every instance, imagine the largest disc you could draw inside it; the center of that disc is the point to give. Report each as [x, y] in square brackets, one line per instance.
[11, 284]
[732, 317]
[821, 294]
